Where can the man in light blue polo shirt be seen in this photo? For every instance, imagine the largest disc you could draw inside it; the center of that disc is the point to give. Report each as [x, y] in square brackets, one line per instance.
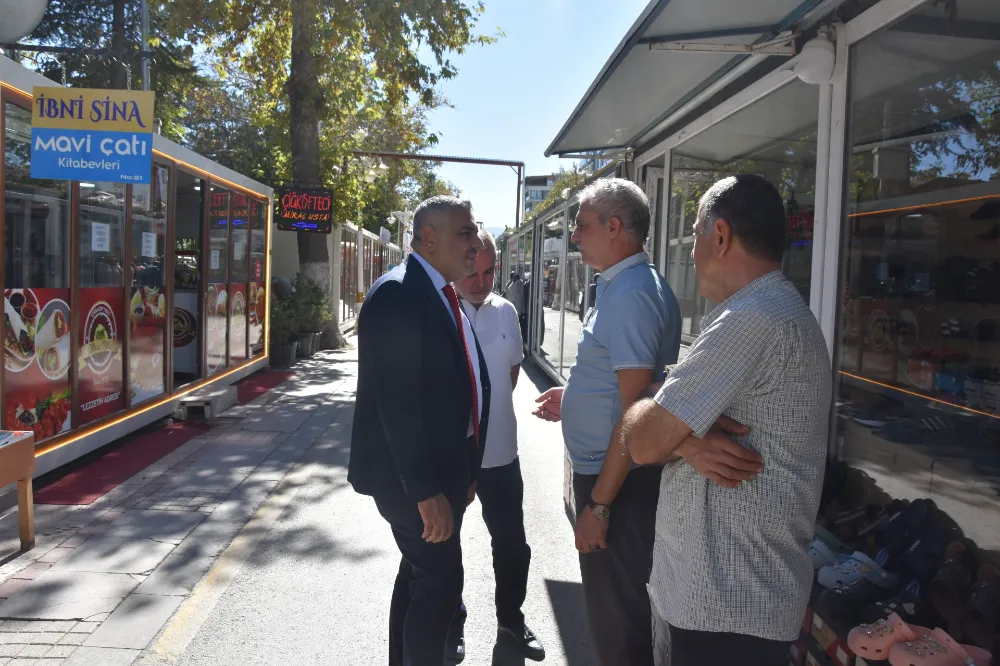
[630, 335]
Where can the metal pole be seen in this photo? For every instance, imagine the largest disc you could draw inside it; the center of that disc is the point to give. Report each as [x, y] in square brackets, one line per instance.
[517, 209]
[145, 44]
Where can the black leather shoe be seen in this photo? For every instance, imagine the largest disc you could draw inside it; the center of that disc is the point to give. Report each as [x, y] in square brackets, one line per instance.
[525, 640]
[455, 649]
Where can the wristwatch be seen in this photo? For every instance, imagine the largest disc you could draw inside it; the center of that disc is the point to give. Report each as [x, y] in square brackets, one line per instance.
[600, 511]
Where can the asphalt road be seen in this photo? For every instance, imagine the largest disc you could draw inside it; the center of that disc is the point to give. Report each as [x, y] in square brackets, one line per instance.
[314, 587]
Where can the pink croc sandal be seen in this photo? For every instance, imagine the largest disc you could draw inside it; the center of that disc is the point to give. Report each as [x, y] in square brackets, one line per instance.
[872, 641]
[938, 649]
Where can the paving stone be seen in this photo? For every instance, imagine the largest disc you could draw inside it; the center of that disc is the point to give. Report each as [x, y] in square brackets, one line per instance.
[60, 651]
[84, 627]
[177, 576]
[168, 527]
[55, 555]
[32, 571]
[60, 626]
[30, 639]
[11, 587]
[33, 651]
[73, 639]
[135, 623]
[210, 538]
[101, 657]
[11, 649]
[74, 541]
[68, 595]
[116, 555]
[16, 625]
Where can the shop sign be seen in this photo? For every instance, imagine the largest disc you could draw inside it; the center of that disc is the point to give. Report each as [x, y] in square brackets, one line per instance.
[92, 134]
[37, 360]
[304, 209]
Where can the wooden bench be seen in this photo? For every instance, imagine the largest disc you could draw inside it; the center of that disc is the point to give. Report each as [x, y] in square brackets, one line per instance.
[17, 464]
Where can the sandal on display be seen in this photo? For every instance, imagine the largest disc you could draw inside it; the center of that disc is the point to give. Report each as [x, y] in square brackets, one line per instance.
[937, 648]
[827, 549]
[981, 619]
[950, 588]
[902, 528]
[907, 604]
[922, 559]
[845, 602]
[872, 641]
[822, 555]
[857, 567]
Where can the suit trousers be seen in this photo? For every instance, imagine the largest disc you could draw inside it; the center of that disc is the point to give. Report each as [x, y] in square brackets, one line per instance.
[614, 579]
[428, 587]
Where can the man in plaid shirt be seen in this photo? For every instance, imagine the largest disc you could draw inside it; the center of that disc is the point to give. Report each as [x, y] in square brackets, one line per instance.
[731, 573]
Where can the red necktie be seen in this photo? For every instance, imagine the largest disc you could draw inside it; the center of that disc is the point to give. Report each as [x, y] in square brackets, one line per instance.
[449, 292]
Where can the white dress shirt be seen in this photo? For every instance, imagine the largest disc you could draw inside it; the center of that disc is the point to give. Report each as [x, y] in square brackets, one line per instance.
[439, 284]
[499, 334]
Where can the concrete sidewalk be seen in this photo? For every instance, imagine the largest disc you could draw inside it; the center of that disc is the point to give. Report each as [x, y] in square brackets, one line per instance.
[104, 579]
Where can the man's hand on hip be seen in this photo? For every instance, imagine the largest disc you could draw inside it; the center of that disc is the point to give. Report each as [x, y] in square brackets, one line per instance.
[591, 532]
[720, 459]
[550, 404]
[438, 520]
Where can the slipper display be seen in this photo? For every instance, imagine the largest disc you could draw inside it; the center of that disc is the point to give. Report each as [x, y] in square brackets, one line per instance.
[950, 588]
[923, 558]
[857, 567]
[907, 604]
[902, 528]
[827, 549]
[873, 641]
[981, 618]
[843, 603]
[937, 648]
[821, 555]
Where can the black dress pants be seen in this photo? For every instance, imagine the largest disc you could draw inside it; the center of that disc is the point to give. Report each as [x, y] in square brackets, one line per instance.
[614, 579]
[501, 494]
[428, 587]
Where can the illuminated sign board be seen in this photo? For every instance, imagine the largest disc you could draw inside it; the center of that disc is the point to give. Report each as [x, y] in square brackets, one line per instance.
[304, 209]
[91, 134]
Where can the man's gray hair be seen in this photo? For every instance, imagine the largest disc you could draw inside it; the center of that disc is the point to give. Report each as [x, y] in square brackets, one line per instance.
[617, 197]
[430, 208]
[489, 243]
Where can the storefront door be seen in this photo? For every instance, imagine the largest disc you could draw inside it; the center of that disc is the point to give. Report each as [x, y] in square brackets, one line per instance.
[188, 314]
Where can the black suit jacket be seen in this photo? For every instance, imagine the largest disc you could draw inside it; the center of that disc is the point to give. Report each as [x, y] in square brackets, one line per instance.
[411, 416]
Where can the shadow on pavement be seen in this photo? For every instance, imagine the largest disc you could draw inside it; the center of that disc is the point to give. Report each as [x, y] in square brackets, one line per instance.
[571, 617]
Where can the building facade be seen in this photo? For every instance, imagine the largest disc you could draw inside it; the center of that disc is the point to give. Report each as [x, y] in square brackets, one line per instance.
[887, 158]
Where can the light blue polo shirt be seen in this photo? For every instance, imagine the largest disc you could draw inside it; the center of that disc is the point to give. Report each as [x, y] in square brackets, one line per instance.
[635, 323]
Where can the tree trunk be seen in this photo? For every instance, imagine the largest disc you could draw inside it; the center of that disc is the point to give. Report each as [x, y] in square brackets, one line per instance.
[118, 79]
[303, 98]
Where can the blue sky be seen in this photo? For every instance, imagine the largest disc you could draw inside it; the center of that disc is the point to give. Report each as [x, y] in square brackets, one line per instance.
[512, 97]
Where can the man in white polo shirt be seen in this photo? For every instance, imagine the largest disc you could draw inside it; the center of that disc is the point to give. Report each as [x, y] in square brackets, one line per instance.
[500, 487]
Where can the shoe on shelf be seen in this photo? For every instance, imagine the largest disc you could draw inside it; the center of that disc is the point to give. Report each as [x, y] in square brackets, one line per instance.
[525, 640]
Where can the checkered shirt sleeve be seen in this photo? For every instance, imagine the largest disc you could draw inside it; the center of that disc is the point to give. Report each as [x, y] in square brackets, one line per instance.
[722, 362]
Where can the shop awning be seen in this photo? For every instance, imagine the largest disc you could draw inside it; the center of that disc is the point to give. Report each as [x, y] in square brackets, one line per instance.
[640, 86]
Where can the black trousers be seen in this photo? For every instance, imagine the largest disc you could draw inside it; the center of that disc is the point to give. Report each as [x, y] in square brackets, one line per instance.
[709, 648]
[501, 494]
[614, 580]
[428, 587]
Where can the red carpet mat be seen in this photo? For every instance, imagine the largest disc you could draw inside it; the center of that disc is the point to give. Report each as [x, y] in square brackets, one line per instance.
[260, 383]
[94, 479]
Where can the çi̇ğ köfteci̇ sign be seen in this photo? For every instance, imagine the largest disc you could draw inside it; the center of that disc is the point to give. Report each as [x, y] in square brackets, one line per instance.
[92, 134]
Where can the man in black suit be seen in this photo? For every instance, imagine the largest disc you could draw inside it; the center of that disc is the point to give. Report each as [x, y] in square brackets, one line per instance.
[420, 422]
